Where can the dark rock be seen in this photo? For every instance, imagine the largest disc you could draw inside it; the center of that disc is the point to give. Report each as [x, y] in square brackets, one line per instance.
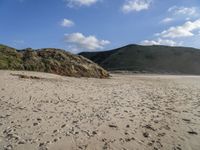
[35, 124]
[127, 139]
[112, 126]
[74, 122]
[41, 144]
[161, 134]
[8, 147]
[146, 134]
[21, 142]
[149, 127]
[50, 117]
[193, 132]
[63, 125]
[39, 119]
[150, 144]
[54, 131]
[94, 132]
[186, 120]
[55, 140]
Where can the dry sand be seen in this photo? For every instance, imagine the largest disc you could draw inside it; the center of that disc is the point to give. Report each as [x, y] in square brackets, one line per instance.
[125, 112]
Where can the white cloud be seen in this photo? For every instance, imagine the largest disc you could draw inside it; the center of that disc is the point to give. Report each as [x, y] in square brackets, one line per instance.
[182, 13]
[67, 23]
[161, 42]
[19, 41]
[136, 5]
[20, 44]
[185, 30]
[189, 11]
[73, 3]
[85, 42]
[167, 20]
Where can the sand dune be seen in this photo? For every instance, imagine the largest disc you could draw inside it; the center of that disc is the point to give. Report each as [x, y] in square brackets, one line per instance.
[126, 112]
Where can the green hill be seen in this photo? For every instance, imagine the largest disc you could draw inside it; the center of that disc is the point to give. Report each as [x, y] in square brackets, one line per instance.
[151, 59]
[49, 60]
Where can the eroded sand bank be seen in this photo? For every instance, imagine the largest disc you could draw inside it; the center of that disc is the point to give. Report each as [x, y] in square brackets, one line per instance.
[125, 112]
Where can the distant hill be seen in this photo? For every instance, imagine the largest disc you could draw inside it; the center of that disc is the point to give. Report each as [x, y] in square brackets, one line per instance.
[150, 59]
[49, 60]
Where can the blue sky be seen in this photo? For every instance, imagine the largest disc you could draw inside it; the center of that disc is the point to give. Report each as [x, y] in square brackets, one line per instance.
[93, 25]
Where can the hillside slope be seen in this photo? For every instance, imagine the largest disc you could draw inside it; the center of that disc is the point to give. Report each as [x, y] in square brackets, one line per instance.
[152, 59]
[49, 60]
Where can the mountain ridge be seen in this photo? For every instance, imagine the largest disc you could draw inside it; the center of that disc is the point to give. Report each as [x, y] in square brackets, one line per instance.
[151, 59]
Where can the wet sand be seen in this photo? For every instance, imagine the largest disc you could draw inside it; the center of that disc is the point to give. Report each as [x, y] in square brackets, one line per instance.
[41, 111]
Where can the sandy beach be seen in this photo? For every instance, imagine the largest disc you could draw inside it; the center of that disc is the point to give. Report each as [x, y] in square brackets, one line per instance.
[42, 111]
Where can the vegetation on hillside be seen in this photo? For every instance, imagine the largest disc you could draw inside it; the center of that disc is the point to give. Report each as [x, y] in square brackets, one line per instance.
[151, 59]
[49, 60]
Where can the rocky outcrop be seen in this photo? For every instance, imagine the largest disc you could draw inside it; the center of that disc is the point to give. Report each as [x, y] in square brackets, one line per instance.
[50, 60]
